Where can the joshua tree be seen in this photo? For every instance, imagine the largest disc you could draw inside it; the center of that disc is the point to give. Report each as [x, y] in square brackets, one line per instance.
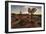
[32, 11]
[20, 12]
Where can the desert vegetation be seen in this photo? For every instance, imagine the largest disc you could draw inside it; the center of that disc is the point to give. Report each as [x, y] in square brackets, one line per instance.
[25, 20]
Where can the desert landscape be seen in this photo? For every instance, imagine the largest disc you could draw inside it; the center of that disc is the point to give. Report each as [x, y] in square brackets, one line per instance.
[22, 17]
[25, 21]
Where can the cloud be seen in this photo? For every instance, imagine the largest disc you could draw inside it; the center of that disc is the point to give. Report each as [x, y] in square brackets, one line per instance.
[24, 9]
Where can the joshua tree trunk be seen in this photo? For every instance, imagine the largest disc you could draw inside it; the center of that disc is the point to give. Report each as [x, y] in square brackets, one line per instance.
[31, 14]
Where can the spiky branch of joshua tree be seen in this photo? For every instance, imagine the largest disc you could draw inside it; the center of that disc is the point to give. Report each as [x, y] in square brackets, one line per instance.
[32, 10]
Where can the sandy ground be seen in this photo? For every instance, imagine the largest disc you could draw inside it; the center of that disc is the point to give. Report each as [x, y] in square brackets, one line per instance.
[25, 21]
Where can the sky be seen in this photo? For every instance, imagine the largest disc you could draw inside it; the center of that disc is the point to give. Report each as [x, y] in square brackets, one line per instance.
[24, 9]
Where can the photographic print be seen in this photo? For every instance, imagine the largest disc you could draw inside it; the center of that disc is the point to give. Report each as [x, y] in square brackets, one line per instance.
[25, 16]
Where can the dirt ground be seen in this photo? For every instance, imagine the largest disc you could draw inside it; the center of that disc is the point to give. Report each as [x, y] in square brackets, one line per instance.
[25, 21]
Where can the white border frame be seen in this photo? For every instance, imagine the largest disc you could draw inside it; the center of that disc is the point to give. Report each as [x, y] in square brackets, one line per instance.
[24, 29]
